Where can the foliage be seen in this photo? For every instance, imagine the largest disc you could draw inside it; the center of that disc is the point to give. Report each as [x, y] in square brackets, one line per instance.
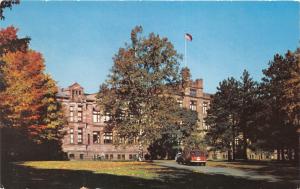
[264, 116]
[222, 117]
[280, 98]
[9, 42]
[174, 136]
[30, 114]
[137, 91]
[6, 4]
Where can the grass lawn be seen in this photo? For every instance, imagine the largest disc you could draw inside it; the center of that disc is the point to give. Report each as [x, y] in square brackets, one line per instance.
[123, 175]
[135, 169]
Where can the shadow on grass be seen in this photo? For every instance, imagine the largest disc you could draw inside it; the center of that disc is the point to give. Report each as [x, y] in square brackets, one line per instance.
[288, 171]
[20, 177]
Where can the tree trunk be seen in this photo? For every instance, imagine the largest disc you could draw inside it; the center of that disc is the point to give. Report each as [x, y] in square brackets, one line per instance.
[245, 146]
[297, 150]
[282, 154]
[278, 154]
[229, 155]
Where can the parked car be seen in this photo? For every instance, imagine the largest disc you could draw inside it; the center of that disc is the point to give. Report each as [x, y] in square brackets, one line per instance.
[192, 157]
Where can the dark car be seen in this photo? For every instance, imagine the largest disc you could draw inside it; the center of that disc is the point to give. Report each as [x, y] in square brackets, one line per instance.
[192, 157]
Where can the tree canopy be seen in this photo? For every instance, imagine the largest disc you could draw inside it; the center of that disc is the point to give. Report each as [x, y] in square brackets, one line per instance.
[138, 94]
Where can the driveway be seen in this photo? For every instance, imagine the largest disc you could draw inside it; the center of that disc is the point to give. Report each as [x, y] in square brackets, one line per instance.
[247, 174]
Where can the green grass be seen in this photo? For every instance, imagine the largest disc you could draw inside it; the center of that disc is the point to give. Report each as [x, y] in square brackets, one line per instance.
[116, 175]
[135, 169]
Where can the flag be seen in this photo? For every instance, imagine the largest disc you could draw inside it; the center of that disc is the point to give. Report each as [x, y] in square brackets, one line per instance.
[188, 37]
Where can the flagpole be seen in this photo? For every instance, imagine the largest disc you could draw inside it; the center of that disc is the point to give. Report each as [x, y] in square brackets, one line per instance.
[185, 58]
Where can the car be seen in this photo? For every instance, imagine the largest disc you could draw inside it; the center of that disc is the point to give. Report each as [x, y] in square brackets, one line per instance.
[192, 157]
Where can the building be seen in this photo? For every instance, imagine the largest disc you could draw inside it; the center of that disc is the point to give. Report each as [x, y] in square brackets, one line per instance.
[86, 135]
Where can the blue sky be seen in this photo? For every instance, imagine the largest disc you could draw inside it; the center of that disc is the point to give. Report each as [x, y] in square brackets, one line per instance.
[79, 39]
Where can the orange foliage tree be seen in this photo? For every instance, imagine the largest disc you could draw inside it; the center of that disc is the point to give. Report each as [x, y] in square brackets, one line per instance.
[28, 98]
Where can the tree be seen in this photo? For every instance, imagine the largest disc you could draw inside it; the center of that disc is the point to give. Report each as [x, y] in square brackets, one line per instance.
[247, 109]
[28, 103]
[137, 93]
[10, 42]
[177, 135]
[6, 4]
[280, 94]
[223, 117]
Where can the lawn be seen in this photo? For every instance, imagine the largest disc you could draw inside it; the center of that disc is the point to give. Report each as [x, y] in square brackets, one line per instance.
[115, 175]
[135, 169]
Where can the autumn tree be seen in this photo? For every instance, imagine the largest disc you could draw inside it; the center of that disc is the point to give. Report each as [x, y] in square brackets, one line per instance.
[137, 92]
[30, 115]
[10, 42]
[280, 94]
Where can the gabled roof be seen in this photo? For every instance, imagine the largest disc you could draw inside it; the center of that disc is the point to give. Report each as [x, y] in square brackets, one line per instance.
[75, 85]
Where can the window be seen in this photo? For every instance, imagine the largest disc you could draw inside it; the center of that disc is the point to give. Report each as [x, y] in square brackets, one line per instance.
[79, 113]
[106, 117]
[81, 156]
[119, 156]
[180, 102]
[205, 106]
[205, 127]
[96, 116]
[111, 156]
[130, 156]
[106, 156]
[123, 156]
[193, 105]
[79, 136]
[132, 140]
[89, 139]
[96, 137]
[108, 136]
[71, 156]
[72, 136]
[72, 113]
[193, 92]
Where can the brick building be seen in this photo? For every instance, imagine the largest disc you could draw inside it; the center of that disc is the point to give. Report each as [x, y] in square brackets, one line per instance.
[86, 135]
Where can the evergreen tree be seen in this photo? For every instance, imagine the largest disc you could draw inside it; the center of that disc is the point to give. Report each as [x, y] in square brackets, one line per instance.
[280, 87]
[247, 109]
[223, 117]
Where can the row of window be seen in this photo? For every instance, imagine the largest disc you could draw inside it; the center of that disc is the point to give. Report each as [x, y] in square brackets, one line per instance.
[106, 156]
[107, 137]
[193, 105]
[97, 118]
[96, 115]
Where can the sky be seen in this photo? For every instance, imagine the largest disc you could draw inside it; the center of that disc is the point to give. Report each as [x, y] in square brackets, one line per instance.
[79, 39]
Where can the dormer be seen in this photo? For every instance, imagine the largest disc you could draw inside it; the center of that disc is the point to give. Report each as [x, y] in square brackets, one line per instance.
[76, 92]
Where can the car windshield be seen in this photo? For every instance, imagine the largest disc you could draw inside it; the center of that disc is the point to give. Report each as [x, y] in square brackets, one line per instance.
[197, 153]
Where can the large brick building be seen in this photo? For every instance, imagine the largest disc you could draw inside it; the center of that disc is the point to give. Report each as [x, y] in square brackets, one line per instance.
[86, 135]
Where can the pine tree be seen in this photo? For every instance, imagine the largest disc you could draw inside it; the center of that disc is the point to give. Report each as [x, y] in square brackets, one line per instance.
[223, 117]
[280, 89]
[247, 109]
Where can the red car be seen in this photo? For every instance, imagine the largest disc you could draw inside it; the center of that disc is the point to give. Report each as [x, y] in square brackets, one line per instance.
[192, 157]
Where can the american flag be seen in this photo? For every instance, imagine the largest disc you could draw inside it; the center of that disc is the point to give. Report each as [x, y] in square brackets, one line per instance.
[188, 37]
